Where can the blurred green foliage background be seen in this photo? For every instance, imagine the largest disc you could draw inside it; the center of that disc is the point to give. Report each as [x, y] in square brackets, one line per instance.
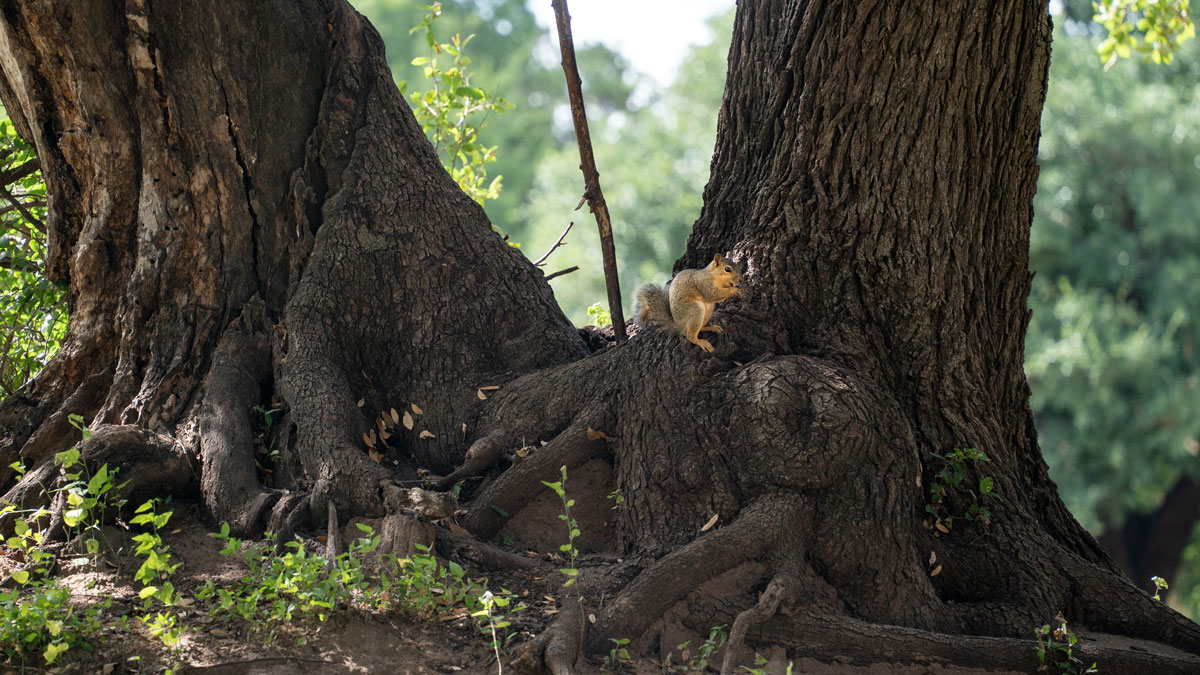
[1111, 352]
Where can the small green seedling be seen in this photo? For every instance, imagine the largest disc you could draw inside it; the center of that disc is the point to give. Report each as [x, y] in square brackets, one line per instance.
[1160, 585]
[1056, 647]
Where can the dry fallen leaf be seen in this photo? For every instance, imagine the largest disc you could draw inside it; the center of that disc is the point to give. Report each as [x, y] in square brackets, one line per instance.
[936, 571]
[417, 409]
[426, 434]
[490, 387]
[408, 421]
[369, 439]
[711, 521]
[384, 434]
[455, 527]
[380, 424]
[549, 610]
[395, 416]
[591, 618]
[464, 431]
[361, 401]
[594, 435]
[108, 668]
[932, 557]
[482, 396]
[374, 454]
[941, 528]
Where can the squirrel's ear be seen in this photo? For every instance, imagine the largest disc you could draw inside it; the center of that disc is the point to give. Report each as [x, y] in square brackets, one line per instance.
[717, 259]
[727, 255]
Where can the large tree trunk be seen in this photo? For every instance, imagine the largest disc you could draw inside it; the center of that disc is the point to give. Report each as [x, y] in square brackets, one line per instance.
[249, 215]
[247, 212]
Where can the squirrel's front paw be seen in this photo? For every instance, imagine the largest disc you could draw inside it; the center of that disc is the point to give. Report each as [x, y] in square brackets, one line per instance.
[715, 329]
[705, 345]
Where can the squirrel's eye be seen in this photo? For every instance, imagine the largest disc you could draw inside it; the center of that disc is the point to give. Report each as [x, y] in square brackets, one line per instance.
[728, 270]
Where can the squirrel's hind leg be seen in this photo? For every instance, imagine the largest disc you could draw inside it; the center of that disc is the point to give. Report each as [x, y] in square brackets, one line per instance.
[691, 334]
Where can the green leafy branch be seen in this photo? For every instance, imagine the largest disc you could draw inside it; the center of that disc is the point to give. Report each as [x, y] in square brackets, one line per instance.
[950, 477]
[453, 111]
[1153, 28]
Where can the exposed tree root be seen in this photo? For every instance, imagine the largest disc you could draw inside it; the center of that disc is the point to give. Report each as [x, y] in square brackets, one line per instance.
[38, 430]
[1109, 602]
[152, 463]
[557, 648]
[486, 556]
[850, 641]
[768, 604]
[289, 513]
[668, 580]
[513, 488]
[240, 371]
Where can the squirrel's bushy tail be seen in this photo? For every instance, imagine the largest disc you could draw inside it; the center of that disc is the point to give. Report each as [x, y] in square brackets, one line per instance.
[653, 304]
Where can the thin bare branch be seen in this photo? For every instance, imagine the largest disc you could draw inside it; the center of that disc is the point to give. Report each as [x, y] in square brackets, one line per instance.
[32, 205]
[587, 162]
[540, 261]
[19, 172]
[559, 273]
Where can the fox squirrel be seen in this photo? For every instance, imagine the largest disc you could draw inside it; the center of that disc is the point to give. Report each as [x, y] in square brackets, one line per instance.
[687, 302]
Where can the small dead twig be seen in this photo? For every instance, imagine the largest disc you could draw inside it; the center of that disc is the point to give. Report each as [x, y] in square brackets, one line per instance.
[587, 163]
[540, 261]
[573, 268]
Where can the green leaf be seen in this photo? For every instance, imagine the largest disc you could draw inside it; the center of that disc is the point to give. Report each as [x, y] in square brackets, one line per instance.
[67, 458]
[986, 485]
[98, 480]
[53, 650]
[420, 61]
[21, 576]
[147, 592]
[72, 517]
[474, 93]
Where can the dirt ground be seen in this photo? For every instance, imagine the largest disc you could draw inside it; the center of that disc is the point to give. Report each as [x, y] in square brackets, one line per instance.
[349, 641]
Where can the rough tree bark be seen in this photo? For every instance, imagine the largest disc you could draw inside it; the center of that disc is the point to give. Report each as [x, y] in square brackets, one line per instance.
[249, 215]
